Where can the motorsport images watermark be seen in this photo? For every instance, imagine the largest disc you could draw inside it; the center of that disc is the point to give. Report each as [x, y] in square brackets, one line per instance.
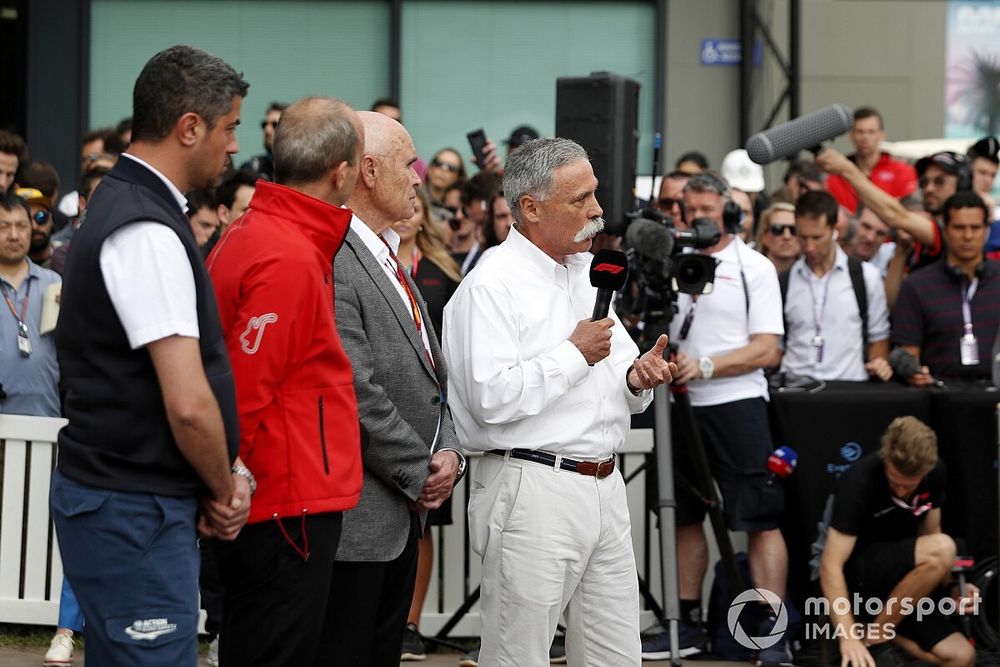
[820, 607]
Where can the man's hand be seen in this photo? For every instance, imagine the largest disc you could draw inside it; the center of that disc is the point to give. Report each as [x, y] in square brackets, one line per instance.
[854, 652]
[879, 368]
[921, 379]
[223, 519]
[593, 339]
[970, 603]
[687, 369]
[833, 161]
[651, 369]
[491, 158]
[437, 488]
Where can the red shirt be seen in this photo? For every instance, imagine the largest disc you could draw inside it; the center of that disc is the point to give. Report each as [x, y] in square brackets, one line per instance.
[896, 177]
[299, 431]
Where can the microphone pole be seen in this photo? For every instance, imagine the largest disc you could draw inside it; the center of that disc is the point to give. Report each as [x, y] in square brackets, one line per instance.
[657, 145]
[666, 509]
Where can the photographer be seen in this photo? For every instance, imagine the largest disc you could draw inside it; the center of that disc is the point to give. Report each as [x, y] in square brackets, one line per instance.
[725, 339]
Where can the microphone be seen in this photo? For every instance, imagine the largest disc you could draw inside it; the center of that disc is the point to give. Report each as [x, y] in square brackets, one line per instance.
[905, 364]
[781, 463]
[608, 273]
[804, 132]
[650, 239]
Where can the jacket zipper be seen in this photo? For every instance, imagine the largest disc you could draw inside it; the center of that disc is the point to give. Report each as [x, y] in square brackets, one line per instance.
[322, 438]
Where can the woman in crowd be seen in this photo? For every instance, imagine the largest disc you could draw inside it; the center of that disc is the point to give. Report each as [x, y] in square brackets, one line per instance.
[777, 240]
[446, 167]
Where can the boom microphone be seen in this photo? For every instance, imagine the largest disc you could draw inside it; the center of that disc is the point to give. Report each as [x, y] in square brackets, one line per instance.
[804, 132]
[608, 273]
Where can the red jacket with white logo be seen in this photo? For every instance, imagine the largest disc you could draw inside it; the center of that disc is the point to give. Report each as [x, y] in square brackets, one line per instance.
[273, 276]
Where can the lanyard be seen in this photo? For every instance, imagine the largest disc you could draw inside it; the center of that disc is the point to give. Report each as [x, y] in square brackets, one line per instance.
[467, 262]
[967, 296]
[22, 325]
[414, 308]
[417, 256]
[819, 307]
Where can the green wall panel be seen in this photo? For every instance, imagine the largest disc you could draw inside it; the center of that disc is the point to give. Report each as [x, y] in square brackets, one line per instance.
[286, 50]
[494, 65]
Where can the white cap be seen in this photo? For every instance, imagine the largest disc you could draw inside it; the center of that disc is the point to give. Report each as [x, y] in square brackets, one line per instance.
[742, 172]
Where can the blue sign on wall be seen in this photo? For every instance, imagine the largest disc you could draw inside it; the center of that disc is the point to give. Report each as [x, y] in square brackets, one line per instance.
[727, 52]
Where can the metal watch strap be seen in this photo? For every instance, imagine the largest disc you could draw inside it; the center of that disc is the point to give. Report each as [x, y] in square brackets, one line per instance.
[243, 471]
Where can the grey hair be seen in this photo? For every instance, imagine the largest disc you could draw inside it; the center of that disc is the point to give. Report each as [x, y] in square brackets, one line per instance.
[529, 169]
[709, 181]
[314, 135]
[180, 80]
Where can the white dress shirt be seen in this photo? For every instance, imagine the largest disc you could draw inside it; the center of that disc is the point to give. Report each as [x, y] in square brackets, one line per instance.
[838, 319]
[149, 278]
[515, 379]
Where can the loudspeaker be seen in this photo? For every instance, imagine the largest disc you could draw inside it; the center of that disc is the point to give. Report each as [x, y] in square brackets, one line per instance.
[601, 113]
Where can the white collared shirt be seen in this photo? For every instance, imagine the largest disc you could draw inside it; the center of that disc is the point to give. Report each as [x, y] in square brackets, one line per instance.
[839, 320]
[149, 278]
[386, 260]
[515, 379]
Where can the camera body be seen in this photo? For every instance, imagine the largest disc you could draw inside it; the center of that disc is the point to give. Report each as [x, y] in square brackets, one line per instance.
[658, 253]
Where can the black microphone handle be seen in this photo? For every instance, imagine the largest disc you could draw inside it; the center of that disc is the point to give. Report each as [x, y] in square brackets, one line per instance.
[603, 304]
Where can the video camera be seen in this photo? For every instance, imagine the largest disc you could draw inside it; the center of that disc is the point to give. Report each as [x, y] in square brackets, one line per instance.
[657, 253]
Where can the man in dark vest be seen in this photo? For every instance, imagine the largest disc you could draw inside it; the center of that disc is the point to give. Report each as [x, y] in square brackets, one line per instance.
[149, 451]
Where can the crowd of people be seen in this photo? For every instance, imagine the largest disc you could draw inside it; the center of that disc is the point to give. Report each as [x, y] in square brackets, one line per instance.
[291, 359]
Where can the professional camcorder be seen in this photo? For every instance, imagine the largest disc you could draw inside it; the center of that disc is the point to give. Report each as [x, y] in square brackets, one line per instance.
[658, 253]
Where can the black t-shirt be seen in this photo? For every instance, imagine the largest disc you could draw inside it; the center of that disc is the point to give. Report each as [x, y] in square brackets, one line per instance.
[864, 505]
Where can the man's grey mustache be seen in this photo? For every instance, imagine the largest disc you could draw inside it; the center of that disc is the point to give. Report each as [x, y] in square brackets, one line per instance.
[594, 226]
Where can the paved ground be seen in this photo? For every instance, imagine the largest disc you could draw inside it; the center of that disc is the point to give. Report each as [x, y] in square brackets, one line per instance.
[10, 657]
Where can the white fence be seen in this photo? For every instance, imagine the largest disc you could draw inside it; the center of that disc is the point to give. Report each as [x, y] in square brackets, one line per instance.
[31, 572]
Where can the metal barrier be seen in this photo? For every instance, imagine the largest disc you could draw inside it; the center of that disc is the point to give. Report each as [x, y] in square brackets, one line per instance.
[31, 571]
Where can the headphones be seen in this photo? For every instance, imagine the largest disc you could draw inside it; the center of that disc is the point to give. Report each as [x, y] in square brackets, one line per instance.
[964, 174]
[732, 217]
[732, 214]
[957, 274]
[960, 162]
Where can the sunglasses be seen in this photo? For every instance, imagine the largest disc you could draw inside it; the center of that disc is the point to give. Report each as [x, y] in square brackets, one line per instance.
[937, 181]
[666, 203]
[264, 124]
[453, 168]
[778, 230]
[40, 217]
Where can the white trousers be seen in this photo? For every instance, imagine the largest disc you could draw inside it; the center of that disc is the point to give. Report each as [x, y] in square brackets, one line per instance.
[553, 542]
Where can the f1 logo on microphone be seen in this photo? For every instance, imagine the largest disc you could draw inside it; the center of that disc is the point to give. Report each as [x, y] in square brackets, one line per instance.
[606, 267]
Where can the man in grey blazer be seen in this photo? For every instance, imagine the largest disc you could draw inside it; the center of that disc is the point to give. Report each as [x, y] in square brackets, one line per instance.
[408, 443]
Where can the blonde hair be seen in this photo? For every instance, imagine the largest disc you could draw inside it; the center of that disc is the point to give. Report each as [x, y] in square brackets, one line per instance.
[910, 446]
[430, 241]
[765, 220]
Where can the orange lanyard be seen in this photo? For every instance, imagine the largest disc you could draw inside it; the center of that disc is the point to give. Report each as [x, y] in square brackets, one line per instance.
[414, 308]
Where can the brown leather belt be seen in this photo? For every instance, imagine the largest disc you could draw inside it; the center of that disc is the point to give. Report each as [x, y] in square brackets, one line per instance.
[598, 469]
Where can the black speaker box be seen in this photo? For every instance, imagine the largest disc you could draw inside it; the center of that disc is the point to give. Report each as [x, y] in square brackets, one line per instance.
[601, 113]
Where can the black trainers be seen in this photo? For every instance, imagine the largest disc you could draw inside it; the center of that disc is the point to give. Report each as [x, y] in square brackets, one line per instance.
[413, 646]
[690, 640]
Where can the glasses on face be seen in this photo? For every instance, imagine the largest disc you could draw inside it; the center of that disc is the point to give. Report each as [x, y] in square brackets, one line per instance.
[7, 225]
[453, 168]
[264, 124]
[778, 230]
[667, 203]
[937, 181]
[40, 217]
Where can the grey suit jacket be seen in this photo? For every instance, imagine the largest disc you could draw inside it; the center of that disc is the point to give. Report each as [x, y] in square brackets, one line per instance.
[399, 402]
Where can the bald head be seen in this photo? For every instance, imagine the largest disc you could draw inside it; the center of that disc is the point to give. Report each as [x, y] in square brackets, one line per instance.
[386, 185]
[314, 136]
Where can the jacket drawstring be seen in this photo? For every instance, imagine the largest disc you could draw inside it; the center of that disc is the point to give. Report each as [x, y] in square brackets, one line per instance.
[303, 551]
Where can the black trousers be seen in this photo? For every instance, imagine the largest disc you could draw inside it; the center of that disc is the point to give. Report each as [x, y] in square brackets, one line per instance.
[279, 606]
[369, 623]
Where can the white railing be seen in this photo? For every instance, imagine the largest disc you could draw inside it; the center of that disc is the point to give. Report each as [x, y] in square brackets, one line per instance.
[31, 571]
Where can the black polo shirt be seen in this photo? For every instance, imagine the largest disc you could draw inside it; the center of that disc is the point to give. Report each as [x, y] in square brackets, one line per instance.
[928, 315]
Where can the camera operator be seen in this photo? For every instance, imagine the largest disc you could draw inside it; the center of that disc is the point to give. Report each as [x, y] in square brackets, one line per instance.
[725, 339]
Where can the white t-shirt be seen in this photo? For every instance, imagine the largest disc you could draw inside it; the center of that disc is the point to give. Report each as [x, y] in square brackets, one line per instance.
[721, 322]
[149, 277]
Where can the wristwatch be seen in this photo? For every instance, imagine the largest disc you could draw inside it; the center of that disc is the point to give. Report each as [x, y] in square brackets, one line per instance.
[243, 471]
[462, 462]
[707, 367]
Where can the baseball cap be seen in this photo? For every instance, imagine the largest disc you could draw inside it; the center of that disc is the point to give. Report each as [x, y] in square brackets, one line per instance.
[742, 172]
[949, 161]
[987, 147]
[521, 134]
[34, 196]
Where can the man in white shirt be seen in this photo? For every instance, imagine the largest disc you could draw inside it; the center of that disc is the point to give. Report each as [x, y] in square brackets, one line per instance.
[547, 393]
[823, 319]
[725, 339]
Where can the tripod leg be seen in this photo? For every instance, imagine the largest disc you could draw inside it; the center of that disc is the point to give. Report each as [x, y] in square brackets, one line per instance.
[667, 508]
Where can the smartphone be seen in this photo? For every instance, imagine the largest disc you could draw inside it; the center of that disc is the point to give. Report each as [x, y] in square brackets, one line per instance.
[477, 141]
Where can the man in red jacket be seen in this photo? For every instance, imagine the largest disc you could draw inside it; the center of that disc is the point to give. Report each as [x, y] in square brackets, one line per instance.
[299, 433]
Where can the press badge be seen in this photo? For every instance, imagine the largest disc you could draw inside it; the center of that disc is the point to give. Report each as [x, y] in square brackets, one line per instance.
[817, 344]
[969, 349]
[23, 342]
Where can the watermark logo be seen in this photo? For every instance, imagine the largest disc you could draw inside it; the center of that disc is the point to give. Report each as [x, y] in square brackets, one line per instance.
[757, 596]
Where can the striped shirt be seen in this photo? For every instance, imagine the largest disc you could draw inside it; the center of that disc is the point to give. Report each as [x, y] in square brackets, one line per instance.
[928, 315]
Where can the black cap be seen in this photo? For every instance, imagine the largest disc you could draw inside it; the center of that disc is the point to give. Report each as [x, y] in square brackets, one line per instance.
[521, 134]
[949, 161]
[987, 147]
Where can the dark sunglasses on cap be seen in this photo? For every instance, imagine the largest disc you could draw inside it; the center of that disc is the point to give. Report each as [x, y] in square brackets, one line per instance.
[937, 181]
[40, 217]
[778, 230]
[453, 168]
